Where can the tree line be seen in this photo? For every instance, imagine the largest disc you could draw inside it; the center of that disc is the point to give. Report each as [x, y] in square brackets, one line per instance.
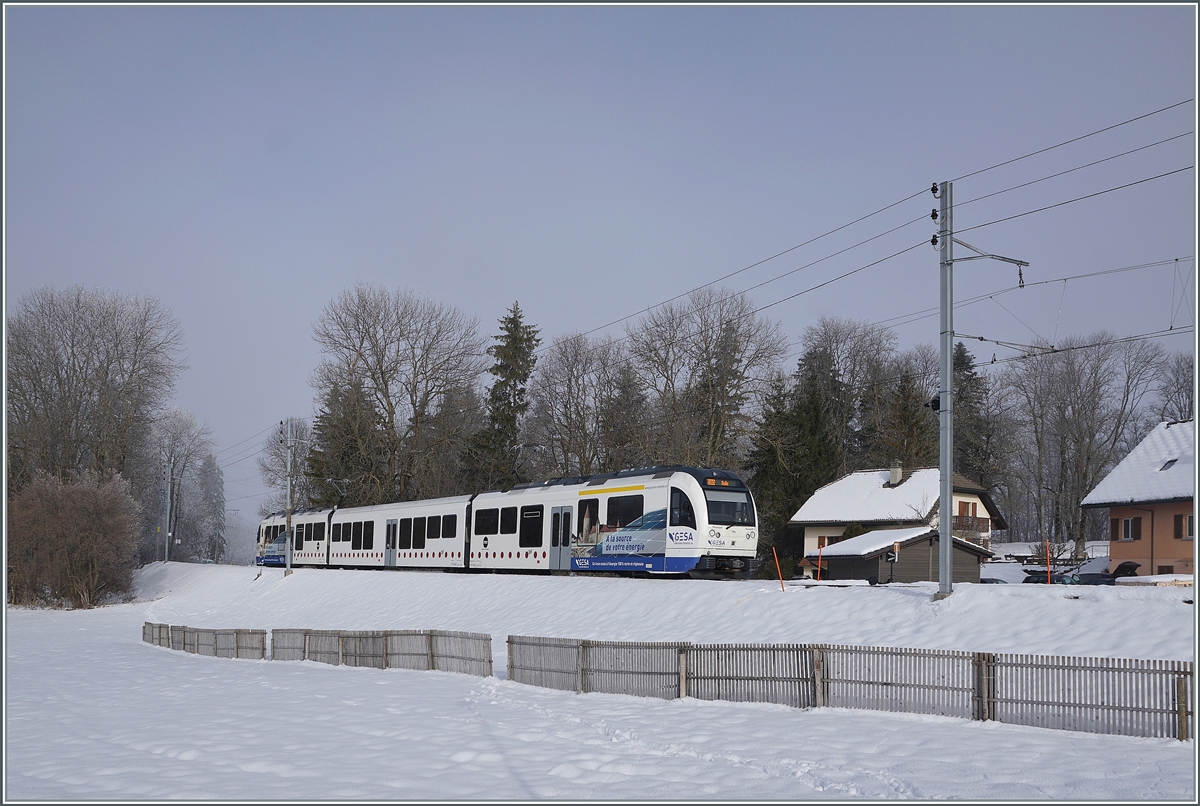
[412, 401]
[400, 412]
[90, 438]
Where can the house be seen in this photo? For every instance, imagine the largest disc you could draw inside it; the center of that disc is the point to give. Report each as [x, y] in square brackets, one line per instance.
[1150, 496]
[894, 499]
[916, 553]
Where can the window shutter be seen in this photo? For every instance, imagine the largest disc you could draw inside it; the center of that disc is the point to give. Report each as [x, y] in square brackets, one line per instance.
[1179, 527]
[1137, 528]
[1114, 530]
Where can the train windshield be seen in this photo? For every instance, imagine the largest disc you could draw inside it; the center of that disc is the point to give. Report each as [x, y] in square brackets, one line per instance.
[729, 508]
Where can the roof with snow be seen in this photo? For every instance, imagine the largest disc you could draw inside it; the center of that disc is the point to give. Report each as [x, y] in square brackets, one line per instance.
[1161, 468]
[882, 539]
[866, 497]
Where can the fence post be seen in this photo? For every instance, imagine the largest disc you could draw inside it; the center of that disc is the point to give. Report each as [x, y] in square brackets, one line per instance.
[579, 667]
[1181, 704]
[984, 685]
[683, 670]
[429, 649]
[818, 662]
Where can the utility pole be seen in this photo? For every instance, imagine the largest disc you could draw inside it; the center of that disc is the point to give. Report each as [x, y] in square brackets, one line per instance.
[291, 540]
[170, 502]
[946, 239]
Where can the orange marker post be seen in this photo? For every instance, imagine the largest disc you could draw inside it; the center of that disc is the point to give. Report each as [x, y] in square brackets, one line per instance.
[1048, 562]
[820, 551]
[777, 569]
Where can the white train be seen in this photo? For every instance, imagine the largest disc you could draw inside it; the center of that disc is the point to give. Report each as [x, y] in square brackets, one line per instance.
[655, 520]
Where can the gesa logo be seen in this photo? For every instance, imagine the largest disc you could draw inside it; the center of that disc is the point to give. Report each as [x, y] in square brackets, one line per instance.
[681, 537]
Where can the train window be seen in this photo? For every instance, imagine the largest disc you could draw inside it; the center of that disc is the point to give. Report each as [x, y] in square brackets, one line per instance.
[589, 520]
[389, 535]
[405, 541]
[356, 536]
[682, 513]
[531, 527]
[336, 536]
[299, 530]
[508, 521]
[418, 533]
[487, 521]
[726, 507]
[435, 527]
[449, 526]
[317, 532]
[624, 510]
[554, 520]
[368, 535]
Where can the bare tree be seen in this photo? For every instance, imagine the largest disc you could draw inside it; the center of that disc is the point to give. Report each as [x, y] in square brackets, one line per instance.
[87, 371]
[409, 354]
[705, 363]
[1175, 388]
[1080, 409]
[273, 466]
[848, 360]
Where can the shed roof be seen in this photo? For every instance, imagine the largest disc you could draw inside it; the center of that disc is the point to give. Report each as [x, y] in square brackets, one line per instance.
[1161, 468]
[866, 497]
[881, 540]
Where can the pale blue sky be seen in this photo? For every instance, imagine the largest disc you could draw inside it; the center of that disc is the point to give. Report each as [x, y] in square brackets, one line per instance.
[245, 164]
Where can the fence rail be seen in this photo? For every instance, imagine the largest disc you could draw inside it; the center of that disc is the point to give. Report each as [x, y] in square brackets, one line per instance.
[436, 650]
[1149, 698]
[248, 644]
[1095, 695]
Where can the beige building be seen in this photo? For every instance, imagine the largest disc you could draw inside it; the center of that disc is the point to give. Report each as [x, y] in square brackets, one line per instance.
[1150, 497]
[894, 499]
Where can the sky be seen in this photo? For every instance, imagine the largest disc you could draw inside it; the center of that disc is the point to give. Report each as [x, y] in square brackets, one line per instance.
[246, 164]
[86, 700]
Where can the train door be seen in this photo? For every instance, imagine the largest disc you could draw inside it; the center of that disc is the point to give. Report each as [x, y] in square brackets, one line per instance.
[560, 539]
[389, 544]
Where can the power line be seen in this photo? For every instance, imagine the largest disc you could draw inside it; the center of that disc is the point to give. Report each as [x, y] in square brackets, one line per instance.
[1072, 140]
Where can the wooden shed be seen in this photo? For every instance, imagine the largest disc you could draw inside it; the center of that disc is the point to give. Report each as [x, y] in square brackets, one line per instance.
[866, 557]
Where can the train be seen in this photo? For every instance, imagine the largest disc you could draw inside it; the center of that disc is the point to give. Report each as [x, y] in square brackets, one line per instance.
[662, 520]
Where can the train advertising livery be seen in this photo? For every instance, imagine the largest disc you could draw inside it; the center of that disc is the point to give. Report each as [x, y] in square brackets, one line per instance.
[639, 546]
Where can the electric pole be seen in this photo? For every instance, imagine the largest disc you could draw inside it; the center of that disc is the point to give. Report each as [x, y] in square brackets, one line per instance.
[170, 502]
[946, 239]
[291, 449]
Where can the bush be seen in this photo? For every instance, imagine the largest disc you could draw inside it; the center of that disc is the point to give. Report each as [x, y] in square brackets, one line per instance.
[71, 541]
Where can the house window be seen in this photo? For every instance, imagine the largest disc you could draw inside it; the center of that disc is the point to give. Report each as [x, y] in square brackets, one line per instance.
[1131, 528]
[967, 509]
[1184, 527]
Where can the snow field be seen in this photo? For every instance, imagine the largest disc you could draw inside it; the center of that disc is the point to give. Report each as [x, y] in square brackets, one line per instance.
[93, 712]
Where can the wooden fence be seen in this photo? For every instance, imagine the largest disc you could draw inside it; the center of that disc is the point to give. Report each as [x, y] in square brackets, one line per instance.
[438, 650]
[1095, 695]
[248, 644]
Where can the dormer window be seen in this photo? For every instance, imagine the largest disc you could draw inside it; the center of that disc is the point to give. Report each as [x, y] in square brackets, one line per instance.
[1168, 465]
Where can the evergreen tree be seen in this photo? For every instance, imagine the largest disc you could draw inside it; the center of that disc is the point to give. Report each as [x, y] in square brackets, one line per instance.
[348, 442]
[794, 453]
[495, 451]
[907, 431]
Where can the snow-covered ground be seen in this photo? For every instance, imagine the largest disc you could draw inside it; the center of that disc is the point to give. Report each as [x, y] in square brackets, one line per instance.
[93, 712]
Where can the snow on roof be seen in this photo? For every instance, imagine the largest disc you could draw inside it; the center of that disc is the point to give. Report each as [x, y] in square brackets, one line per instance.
[1161, 468]
[863, 497]
[870, 542]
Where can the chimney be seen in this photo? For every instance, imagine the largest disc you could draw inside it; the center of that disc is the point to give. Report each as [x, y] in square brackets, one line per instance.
[897, 473]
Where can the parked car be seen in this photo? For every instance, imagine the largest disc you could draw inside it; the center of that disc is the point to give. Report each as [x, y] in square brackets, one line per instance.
[992, 581]
[1055, 579]
[1126, 569]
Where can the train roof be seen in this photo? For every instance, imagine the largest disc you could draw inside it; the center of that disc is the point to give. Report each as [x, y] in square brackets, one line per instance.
[593, 480]
[654, 471]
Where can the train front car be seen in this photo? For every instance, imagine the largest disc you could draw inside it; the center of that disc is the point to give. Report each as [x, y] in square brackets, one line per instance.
[665, 520]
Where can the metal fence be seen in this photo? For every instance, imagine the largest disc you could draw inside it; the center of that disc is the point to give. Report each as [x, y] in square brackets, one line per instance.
[247, 644]
[1095, 695]
[437, 650]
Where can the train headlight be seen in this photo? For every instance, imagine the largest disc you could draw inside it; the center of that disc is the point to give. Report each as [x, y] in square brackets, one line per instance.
[713, 533]
[750, 534]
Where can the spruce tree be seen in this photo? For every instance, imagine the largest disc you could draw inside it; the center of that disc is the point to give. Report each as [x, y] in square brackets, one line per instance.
[496, 448]
[349, 443]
